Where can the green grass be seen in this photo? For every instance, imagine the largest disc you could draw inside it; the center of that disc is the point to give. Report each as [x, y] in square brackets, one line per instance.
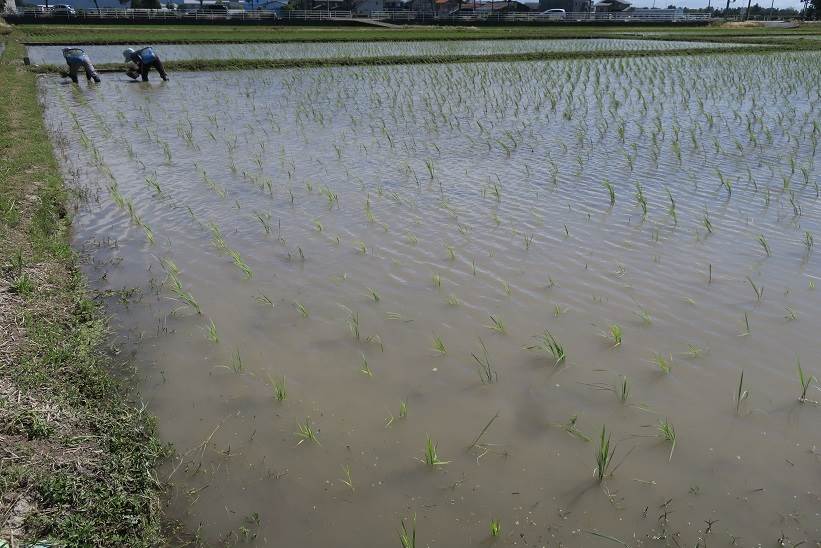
[158, 34]
[108, 493]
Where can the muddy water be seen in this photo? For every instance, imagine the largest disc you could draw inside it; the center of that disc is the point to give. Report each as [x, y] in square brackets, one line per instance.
[453, 193]
[186, 52]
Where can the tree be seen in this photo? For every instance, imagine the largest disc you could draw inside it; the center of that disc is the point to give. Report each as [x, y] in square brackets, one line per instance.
[814, 9]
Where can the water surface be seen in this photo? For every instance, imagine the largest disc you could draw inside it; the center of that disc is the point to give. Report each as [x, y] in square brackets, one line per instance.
[381, 208]
[347, 50]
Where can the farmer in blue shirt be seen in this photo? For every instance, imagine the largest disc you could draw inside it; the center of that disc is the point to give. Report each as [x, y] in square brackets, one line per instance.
[77, 59]
[141, 61]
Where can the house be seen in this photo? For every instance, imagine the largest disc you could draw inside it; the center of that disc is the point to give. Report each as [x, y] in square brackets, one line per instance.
[366, 7]
[604, 6]
[268, 5]
[566, 5]
[446, 7]
[487, 8]
[322, 5]
[191, 5]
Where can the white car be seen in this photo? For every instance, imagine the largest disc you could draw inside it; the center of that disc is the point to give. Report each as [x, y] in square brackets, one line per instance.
[556, 13]
[62, 9]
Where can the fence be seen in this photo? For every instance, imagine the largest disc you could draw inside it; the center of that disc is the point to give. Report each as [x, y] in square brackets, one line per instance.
[569, 17]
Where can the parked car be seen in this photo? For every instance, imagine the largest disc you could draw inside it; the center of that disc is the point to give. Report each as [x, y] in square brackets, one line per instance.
[62, 9]
[556, 13]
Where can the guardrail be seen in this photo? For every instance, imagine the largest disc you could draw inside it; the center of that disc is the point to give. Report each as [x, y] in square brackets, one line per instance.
[110, 14]
[154, 15]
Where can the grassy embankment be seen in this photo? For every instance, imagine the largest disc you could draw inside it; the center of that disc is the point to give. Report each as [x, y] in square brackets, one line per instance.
[158, 34]
[77, 459]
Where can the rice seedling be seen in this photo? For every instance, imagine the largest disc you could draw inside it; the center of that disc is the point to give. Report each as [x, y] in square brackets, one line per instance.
[707, 223]
[791, 315]
[764, 245]
[641, 199]
[622, 389]
[306, 432]
[495, 528]
[236, 364]
[475, 442]
[265, 220]
[806, 382]
[664, 363]
[452, 300]
[364, 367]
[439, 345]
[487, 373]
[347, 480]
[746, 331]
[571, 428]
[759, 291]
[353, 324]
[611, 191]
[154, 184]
[604, 457]
[615, 335]
[431, 457]
[403, 409]
[239, 263]
[302, 310]
[437, 281]
[374, 295]
[497, 325]
[211, 332]
[278, 388]
[809, 240]
[548, 344]
[668, 433]
[694, 351]
[264, 299]
[644, 316]
[741, 394]
[408, 538]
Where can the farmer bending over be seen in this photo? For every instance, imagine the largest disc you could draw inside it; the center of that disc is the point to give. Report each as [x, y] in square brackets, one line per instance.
[141, 61]
[77, 59]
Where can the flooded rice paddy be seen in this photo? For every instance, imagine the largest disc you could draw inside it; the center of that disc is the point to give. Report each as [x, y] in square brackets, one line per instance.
[357, 296]
[352, 50]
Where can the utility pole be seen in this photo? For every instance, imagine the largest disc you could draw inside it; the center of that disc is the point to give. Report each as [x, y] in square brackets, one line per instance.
[747, 15]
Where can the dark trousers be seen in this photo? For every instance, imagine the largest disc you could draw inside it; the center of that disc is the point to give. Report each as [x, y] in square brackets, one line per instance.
[75, 66]
[157, 64]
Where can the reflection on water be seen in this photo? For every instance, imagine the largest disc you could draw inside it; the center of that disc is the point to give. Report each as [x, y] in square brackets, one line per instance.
[379, 236]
